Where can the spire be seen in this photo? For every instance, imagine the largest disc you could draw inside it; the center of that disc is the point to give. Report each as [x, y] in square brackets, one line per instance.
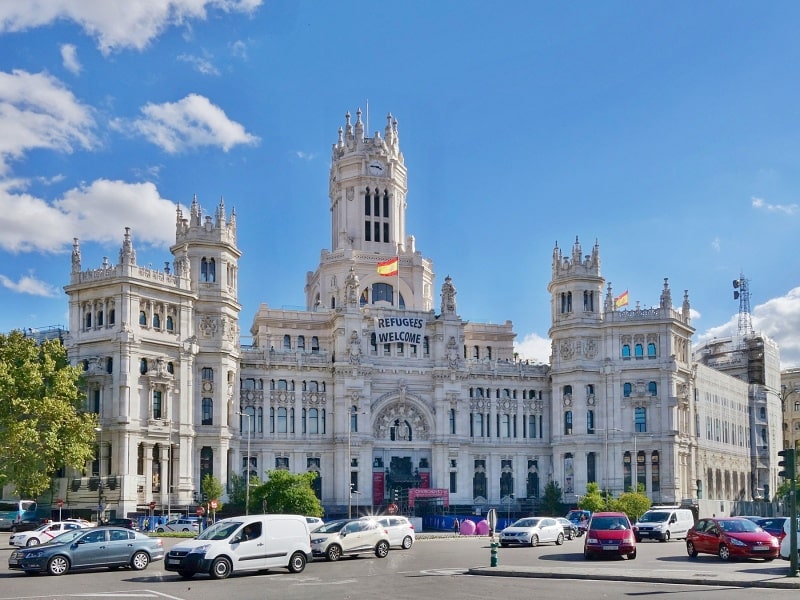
[596, 253]
[220, 213]
[666, 295]
[359, 127]
[608, 305]
[127, 255]
[195, 211]
[685, 307]
[577, 252]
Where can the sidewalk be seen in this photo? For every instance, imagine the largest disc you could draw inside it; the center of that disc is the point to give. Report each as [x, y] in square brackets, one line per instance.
[763, 577]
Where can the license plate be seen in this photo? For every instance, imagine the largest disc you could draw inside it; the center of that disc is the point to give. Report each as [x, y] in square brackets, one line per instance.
[173, 561]
[609, 547]
[760, 548]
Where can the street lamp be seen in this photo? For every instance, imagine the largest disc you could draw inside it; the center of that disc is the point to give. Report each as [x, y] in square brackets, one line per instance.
[247, 464]
[100, 507]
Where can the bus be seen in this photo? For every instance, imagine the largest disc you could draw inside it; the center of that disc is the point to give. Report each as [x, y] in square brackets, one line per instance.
[13, 512]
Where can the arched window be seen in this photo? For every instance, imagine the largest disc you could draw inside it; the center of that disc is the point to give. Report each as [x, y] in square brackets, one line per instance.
[626, 351]
[652, 388]
[156, 321]
[568, 422]
[301, 343]
[170, 324]
[88, 320]
[638, 351]
[112, 316]
[208, 412]
[382, 292]
[208, 270]
[99, 318]
[315, 345]
[651, 350]
[627, 388]
[568, 390]
[287, 342]
[142, 318]
[170, 368]
[143, 366]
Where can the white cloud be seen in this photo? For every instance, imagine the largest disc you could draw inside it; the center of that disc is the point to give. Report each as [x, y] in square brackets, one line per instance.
[715, 244]
[69, 57]
[788, 209]
[116, 25]
[239, 49]
[37, 111]
[98, 212]
[28, 284]
[200, 64]
[305, 155]
[190, 122]
[778, 319]
[534, 348]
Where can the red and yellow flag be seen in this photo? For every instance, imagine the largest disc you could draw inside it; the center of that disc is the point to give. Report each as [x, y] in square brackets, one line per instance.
[388, 268]
[621, 300]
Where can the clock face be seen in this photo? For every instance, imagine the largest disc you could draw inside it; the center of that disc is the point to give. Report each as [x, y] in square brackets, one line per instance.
[376, 168]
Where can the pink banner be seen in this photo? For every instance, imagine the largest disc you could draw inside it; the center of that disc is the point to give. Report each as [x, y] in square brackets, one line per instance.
[414, 493]
[425, 479]
[377, 488]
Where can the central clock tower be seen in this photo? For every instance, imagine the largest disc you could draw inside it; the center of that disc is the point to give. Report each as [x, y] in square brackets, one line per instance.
[368, 186]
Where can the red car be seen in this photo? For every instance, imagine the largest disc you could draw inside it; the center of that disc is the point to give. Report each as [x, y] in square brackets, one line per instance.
[730, 538]
[609, 534]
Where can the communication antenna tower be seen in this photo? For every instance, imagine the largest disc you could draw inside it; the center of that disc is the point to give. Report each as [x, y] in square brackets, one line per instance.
[741, 292]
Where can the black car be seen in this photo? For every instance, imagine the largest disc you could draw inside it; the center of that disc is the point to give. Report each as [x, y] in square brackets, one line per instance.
[26, 525]
[126, 523]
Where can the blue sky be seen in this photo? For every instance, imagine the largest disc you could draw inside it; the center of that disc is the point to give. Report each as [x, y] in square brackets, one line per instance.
[666, 131]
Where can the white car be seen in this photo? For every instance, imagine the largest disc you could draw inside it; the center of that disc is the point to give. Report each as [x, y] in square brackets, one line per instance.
[43, 534]
[531, 531]
[183, 525]
[400, 530]
[314, 522]
[349, 537]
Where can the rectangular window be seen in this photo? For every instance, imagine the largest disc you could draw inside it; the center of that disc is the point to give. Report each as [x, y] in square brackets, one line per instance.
[367, 231]
[385, 232]
[453, 480]
[282, 463]
[157, 404]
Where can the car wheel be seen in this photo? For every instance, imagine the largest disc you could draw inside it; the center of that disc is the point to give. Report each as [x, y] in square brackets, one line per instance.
[638, 539]
[140, 560]
[160, 530]
[407, 542]
[58, 565]
[297, 563]
[220, 568]
[504, 545]
[184, 530]
[724, 552]
[186, 574]
[382, 549]
[560, 539]
[571, 535]
[691, 550]
[632, 555]
[587, 555]
[666, 537]
[32, 542]
[333, 553]
[534, 541]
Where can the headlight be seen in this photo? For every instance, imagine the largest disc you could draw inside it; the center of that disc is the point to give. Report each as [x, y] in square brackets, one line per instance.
[200, 549]
[318, 541]
[591, 540]
[736, 542]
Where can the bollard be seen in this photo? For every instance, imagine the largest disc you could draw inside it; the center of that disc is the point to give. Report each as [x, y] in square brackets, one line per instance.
[493, 546]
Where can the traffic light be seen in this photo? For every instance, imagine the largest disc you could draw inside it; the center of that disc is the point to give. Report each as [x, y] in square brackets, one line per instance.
[787, 464]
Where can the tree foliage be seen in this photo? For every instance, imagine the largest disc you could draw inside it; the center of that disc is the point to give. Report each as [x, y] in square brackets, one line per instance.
[551, 500]
[633, 504]
[212, 489]
[593, 500]
[42, 426]
[286, 492]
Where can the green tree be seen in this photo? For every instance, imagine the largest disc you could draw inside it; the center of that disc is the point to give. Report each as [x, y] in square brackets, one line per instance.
[42, 423]
[551, 501]
[633, 504]
[213, 489]
[285, 492]
[593, 500]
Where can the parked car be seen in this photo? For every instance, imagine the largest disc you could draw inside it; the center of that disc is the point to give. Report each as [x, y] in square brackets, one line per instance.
[42, 534]
[314, 522]
[774, 525]
[120, 522]
[81, 522]
[183, 524]
[663, 523]
[609, 534]
[580, 518]
[531, 531]
[349, 537]
[400, 530]
[570, 528]
[85, 548]
[27, 525]
[731, 537]
[246, 543]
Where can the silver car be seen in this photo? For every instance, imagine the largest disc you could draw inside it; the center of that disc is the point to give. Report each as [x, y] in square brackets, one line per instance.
[531, 531]
[349, 537]
[400, 530]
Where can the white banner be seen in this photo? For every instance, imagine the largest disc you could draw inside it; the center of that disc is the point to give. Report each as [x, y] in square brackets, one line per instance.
[408, 330]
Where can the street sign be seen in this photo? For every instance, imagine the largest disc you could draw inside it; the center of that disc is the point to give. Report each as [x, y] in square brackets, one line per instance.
[60, 503]
[200, 511]
[152, 505]
[213, 504]
[392, 508]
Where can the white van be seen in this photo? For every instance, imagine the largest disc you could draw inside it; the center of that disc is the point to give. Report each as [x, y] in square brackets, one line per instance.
[251, 543]
[663, 523]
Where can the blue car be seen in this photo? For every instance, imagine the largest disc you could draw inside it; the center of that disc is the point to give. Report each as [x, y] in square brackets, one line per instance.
[111, 547]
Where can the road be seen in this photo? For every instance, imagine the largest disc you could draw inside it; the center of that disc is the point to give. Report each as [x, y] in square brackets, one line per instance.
[433, 568]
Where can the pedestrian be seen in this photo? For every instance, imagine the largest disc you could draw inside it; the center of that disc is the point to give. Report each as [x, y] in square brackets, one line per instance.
[456, 526]
[146, 524]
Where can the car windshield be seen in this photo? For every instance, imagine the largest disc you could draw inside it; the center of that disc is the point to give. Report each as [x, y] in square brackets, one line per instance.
[654, 517]
[609, 523]
[526, 523]
[220, 531]
[67, 536]
[738, 526]
[332, 527]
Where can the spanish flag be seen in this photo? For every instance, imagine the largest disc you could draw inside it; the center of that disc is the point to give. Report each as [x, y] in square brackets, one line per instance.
[621, 300]
[388, 268]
